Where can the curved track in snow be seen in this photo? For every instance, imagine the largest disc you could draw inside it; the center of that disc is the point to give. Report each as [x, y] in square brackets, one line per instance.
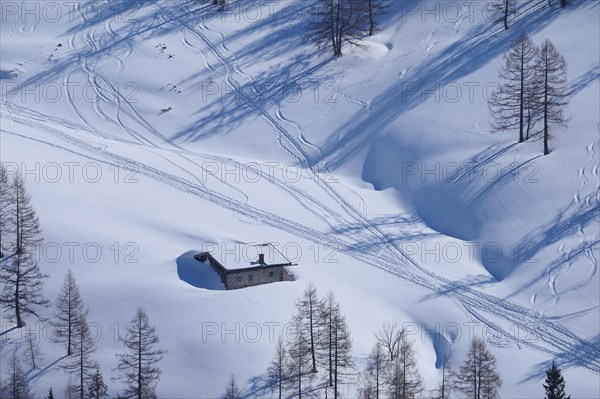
[476, 304]
[550, 335]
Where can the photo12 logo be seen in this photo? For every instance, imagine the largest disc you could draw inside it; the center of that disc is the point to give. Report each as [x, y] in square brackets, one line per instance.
[73, 172]
[255, 172]
[74, 92]
[74, 252]
[26, 12]
[273, 252]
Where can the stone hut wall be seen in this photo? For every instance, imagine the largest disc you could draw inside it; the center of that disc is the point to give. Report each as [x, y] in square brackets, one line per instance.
[241, 278]
[255, 276]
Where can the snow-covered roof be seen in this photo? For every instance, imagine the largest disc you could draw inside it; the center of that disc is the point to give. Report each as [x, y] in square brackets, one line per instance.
[236, 255]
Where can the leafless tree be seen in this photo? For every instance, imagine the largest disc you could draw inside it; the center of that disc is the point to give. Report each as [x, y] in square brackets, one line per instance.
[309, 307]
[279, 371]
[375, 8]
[513, 105]
[69, 310]
[447, 384]
[15, 386]
[335, 345]
[80, 363]
[343, 362]
[21, 278]
[338, 22]
[551, 70]
[299, 357]
[374, 373]
[478, 378]
[232, 391]
[503, 8]
[32, 348]
[404, 380]
[390, 336]
[97, 389]
[138, 365]
[329, 311]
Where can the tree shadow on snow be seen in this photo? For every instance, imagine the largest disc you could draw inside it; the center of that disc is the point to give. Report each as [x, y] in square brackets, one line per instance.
[34, 375]
[581, 354]
[479, 46]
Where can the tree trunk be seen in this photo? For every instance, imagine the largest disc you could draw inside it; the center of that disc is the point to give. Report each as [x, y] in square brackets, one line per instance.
[377, 380]
[330, 350]
[443, 380]
[331, 17]
[479, 378]
[70, 325]
[299, 375]
[371, 22]
[139, 393]
[522, 94]
[546, 150]
[335, 364]
[32, 354]
[18, 225]
[81, 365]
[404, 377]
[528, 123]
[17, 293]
[506, 14]
[337, 27]
[312, 337]
[280, 384]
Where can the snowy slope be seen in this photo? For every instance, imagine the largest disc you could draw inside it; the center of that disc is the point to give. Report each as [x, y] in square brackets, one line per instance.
[376, 172]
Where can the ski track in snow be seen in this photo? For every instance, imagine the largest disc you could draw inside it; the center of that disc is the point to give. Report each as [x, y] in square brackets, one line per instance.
[586, 244]
[472, 302]
[397, 253]
[301, 134]
[551, 335]
[235, 65]
[592, 162]
[465, 300]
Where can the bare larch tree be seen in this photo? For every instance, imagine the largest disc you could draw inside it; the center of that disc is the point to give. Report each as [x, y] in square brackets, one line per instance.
[309, 308]
[404, 380]
[390, 337]
[15, 385]
[69, 310]
[279, 372]
[80, 364]
[552, 75]
[21, 277]
[138, 365]
[337, 22]
[513, 104]
[373, 375]
[478, 378]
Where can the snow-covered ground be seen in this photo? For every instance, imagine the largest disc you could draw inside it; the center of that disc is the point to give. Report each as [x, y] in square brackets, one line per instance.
[376, 172]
